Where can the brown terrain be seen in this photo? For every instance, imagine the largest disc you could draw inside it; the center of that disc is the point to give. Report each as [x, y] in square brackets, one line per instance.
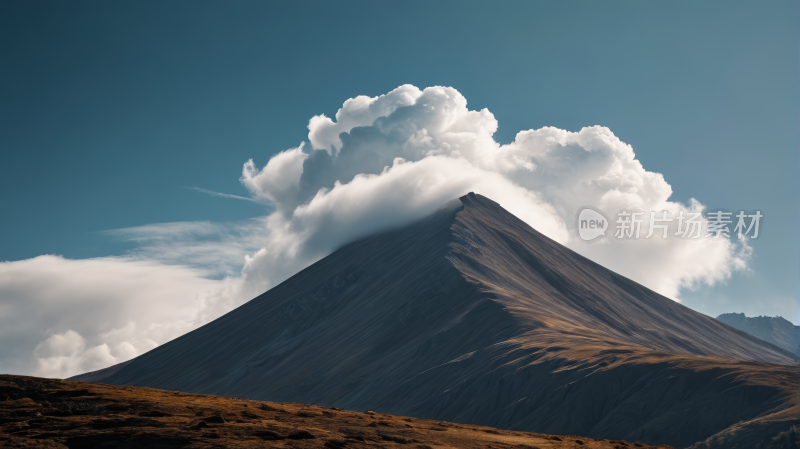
[51, 413]
[471, 316]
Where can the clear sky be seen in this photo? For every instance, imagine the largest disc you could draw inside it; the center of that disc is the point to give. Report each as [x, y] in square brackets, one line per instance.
[111, 112]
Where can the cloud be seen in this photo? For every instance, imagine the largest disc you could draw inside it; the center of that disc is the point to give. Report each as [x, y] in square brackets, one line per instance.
[391, 159]
[360, 111]
[222, 195]
[218, 249]
[383, 162]
[372, 202]
[278, 182]
[61, 317]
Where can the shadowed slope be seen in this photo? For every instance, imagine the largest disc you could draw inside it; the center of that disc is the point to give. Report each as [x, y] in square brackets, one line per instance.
[472, 316]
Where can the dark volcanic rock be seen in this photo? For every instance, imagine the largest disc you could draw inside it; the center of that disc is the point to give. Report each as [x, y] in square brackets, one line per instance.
[301, 435]
[270, 435]
[470, 315]
[216, 419]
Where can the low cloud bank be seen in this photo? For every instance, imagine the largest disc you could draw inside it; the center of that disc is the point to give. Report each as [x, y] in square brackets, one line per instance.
[381, 162]
[60, 317]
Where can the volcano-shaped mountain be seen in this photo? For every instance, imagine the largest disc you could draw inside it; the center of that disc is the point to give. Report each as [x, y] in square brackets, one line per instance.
[470, 315]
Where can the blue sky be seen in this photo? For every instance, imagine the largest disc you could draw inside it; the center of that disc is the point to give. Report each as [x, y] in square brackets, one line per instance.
[112, 111]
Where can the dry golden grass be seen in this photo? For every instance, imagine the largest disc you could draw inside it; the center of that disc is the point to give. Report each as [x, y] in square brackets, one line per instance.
[51, 413]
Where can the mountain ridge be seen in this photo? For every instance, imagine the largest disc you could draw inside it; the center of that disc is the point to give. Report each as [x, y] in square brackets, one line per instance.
[470, 315]
[775, 330]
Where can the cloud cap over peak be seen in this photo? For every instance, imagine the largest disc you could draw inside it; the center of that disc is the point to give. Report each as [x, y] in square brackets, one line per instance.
[383, 162]
[390, 159]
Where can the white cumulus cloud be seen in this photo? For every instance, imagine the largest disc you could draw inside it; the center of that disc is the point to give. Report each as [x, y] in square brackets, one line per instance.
[398, 156]
[383, 162]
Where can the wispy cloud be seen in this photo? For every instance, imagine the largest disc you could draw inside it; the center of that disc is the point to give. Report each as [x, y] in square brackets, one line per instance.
[217, 248]
[224, 195]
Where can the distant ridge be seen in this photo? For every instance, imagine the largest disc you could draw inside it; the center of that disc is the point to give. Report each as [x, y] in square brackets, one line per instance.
[776, 330]
[470, 315]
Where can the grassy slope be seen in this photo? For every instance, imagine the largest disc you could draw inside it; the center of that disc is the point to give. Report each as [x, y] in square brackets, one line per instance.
[51, 413]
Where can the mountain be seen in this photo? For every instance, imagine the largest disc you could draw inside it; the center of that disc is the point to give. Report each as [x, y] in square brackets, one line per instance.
[777, 330]
[470, 315]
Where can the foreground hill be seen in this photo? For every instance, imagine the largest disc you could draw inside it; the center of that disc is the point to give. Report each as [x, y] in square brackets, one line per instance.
[472, 316]
[50, 413]
[776, 330]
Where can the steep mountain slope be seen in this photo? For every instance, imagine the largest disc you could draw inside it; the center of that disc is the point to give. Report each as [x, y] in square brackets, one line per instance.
[776, 330]
[470, 315]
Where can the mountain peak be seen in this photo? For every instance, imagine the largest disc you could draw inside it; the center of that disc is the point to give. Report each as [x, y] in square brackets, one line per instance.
[554, 289]
[470, 315]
